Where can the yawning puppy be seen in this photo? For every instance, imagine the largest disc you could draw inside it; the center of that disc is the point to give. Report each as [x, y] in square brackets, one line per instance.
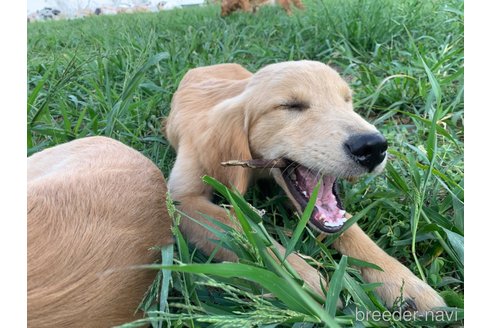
[301, 114]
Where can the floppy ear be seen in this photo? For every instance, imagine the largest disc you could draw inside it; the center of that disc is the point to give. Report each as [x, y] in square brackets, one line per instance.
[227, 139]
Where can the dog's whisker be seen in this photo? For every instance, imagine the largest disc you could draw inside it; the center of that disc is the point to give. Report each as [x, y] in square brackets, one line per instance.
[319, 175]
[289, 166]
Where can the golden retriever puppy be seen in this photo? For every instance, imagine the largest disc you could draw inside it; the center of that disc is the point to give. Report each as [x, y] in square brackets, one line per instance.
[300, 112]
[95, 209]
[229, 6]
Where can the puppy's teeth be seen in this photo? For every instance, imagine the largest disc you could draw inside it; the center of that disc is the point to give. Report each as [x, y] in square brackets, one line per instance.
[331, 224]
[304, 193]
[334, 224]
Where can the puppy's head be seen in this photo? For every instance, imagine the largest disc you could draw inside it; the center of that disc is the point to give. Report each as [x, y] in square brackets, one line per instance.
[302, 112]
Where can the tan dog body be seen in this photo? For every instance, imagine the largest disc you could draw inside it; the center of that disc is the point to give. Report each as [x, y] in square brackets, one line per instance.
[224, 112]
[95, 208]
[229, 6]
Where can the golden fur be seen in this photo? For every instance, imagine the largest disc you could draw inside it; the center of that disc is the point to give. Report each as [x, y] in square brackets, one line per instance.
[229, 6]
[224, 112]
[95, 208]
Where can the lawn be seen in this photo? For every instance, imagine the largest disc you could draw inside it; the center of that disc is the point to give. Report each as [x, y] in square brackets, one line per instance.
[115, 76]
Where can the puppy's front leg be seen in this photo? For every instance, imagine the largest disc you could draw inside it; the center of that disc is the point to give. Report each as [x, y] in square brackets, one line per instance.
[355, 243]
[309, 275]
[201, 238]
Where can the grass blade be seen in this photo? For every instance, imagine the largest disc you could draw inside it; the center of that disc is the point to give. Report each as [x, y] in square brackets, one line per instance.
[304, 219]
[336, 283]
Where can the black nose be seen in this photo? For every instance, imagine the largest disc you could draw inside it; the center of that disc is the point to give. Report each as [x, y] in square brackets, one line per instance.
[369, 150]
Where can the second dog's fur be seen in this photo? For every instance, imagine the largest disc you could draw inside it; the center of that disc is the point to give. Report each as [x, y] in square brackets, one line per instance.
[95, 209]
[229, 6]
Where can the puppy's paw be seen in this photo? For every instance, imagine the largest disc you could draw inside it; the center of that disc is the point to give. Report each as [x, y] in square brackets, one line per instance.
[420, 296]
[403, 290]
[406, 305]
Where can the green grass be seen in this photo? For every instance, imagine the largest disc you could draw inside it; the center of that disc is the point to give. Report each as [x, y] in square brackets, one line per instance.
[115, 76]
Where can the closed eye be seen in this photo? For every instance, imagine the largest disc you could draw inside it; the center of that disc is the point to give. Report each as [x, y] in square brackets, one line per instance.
[297, 105]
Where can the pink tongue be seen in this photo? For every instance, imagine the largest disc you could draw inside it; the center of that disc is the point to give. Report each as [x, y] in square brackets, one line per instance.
[328, 212]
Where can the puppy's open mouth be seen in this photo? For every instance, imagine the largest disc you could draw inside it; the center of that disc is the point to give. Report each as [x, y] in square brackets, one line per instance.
[328, 214]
